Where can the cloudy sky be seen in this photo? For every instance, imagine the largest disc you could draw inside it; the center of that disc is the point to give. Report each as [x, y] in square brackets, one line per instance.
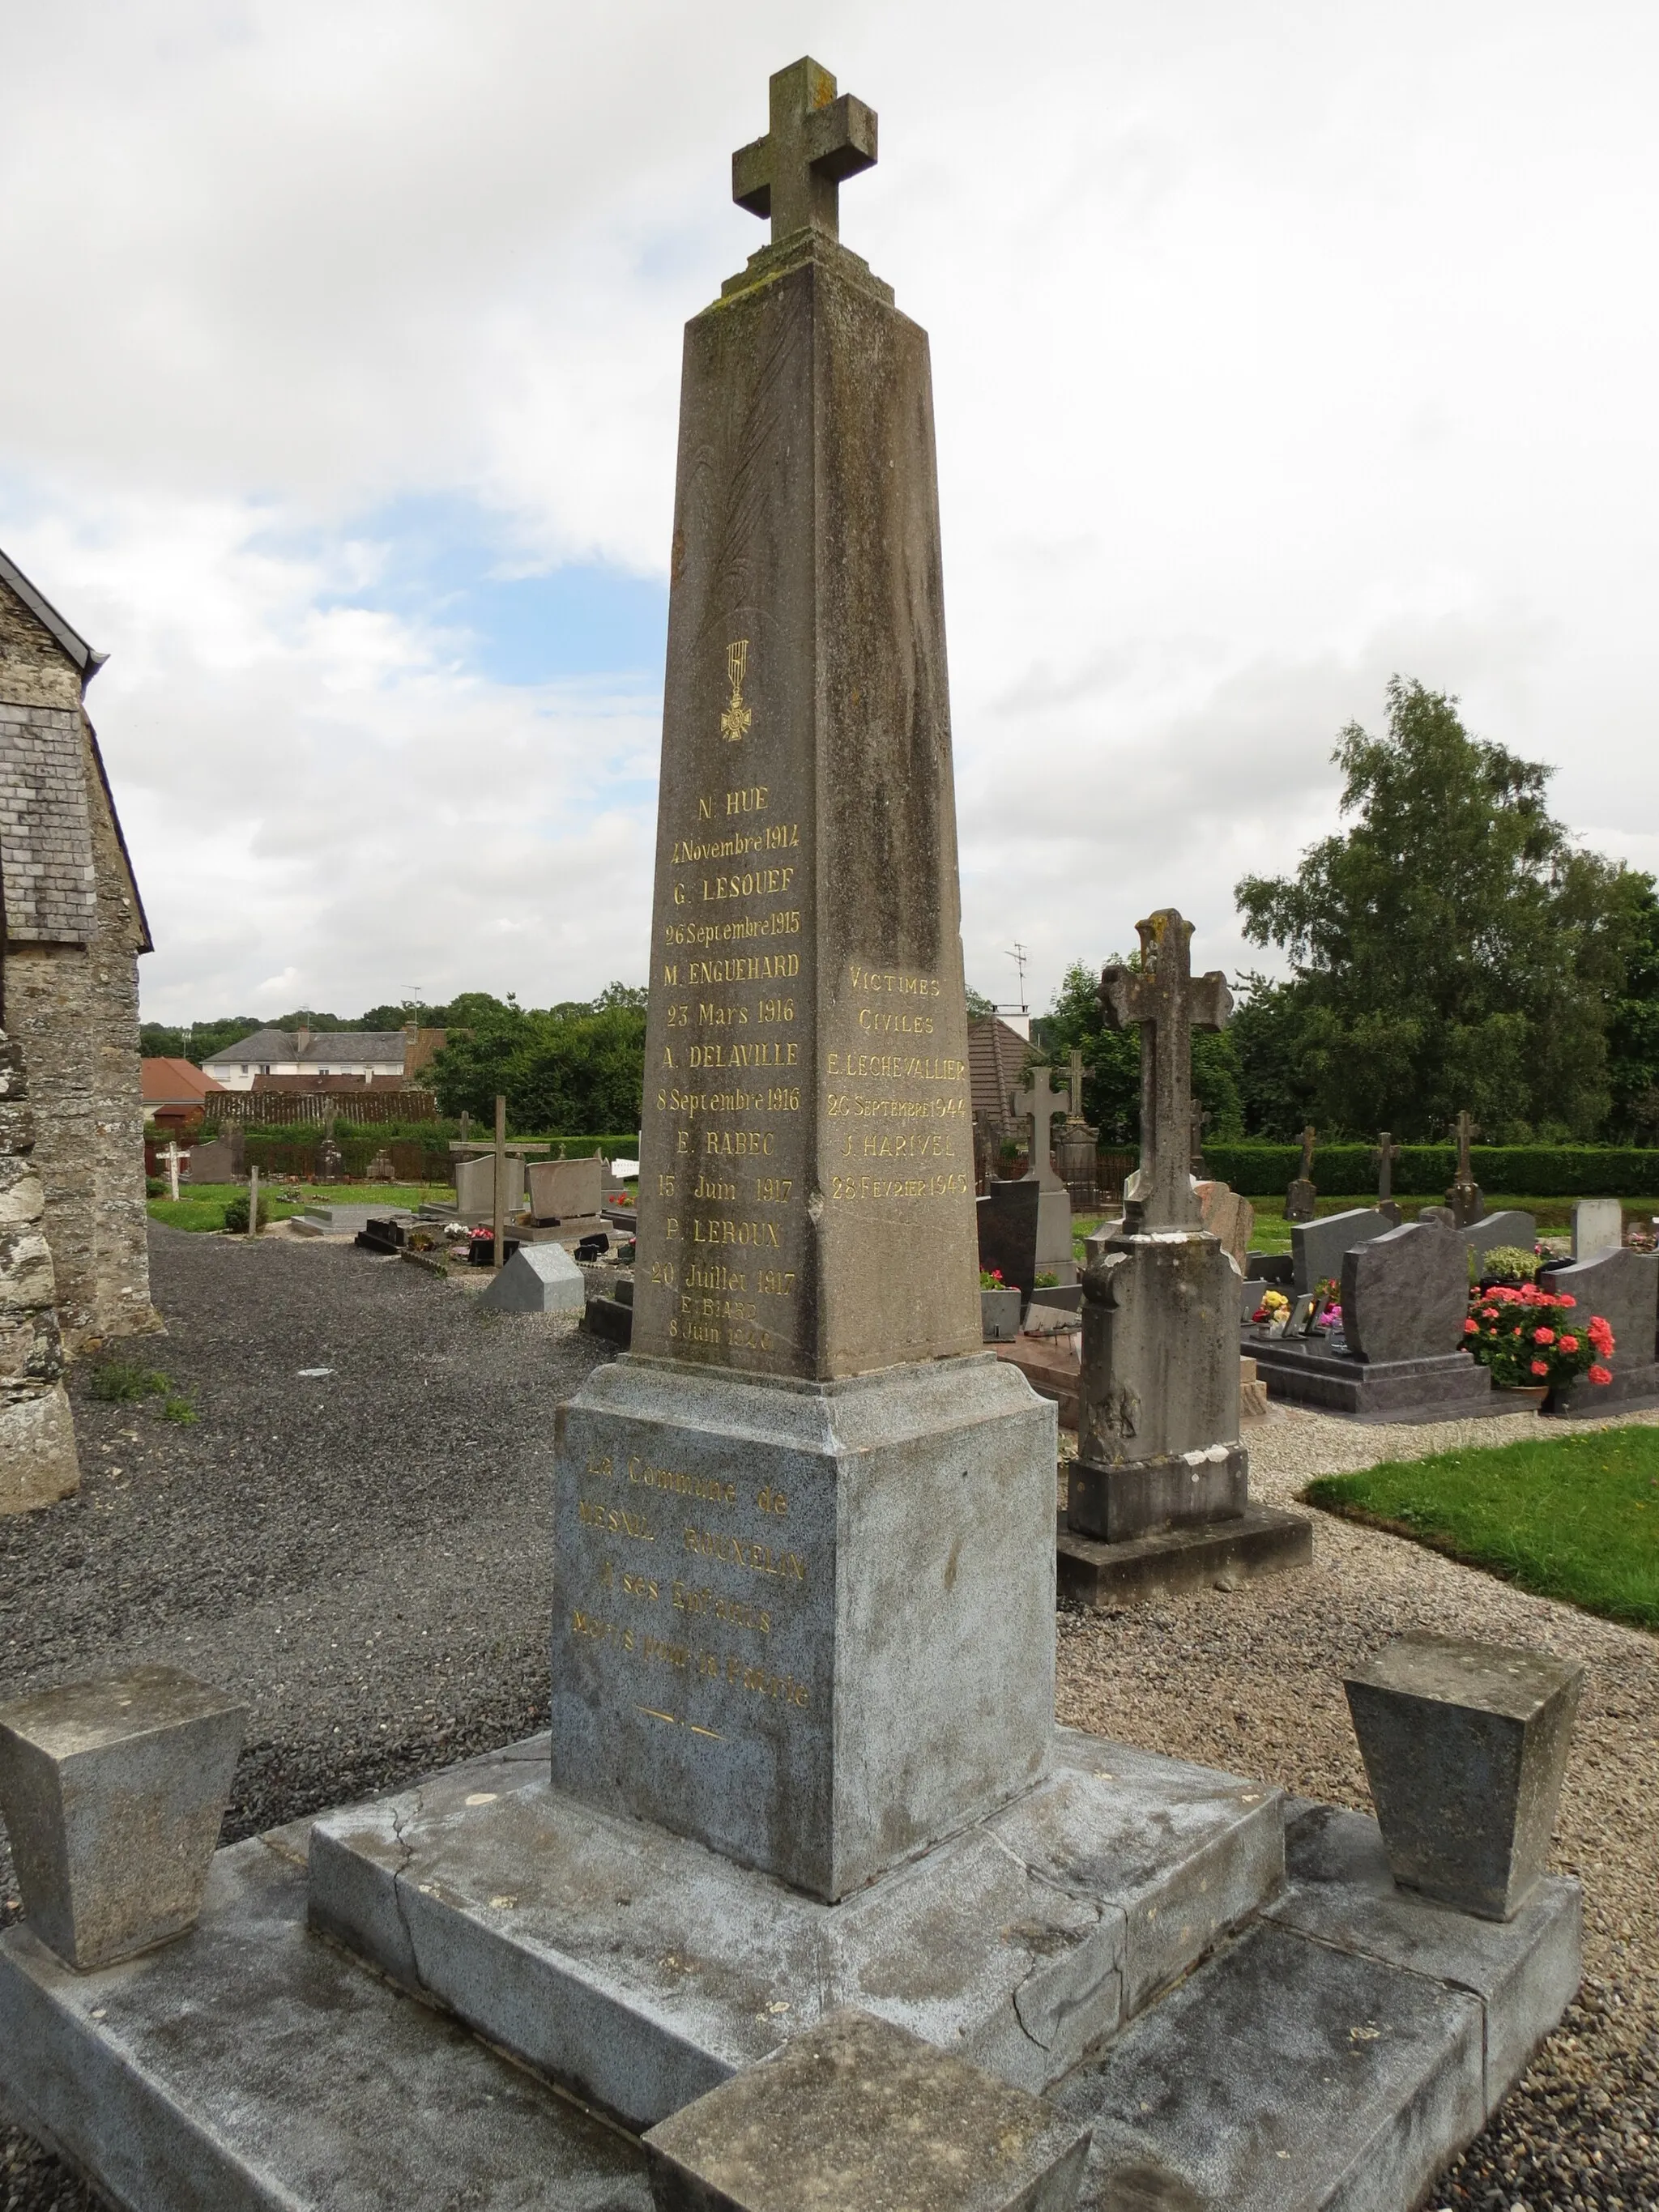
[1276, 348]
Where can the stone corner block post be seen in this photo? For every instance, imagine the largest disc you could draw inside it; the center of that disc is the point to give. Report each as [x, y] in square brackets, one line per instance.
[862, 2114]
[112, 1793]
[1465, 1747]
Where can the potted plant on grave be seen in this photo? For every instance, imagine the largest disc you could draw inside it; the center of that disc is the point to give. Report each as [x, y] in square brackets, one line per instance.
[1274, 1312]
[1506, 1266]
[999, 1307]
[1533, 1345]
[1327, 1315]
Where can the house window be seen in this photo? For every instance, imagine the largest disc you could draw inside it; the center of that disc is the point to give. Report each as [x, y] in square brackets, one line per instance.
[245, 1069]
[265, 1067]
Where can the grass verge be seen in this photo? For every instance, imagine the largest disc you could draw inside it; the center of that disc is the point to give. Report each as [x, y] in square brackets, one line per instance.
[1574, 1517]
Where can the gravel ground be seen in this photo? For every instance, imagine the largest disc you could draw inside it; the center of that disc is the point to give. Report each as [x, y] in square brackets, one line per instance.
[361, 1557]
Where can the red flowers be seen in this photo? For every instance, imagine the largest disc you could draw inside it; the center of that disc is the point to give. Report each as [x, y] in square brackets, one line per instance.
[1515, 1333]
[1599, 1374]
[1569, 1343]
[1600, 1333]
[1541, 1367]
[1471, 1326]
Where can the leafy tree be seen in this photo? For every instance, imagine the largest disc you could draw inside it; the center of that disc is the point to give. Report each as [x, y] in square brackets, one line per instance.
[1633, 1021]
[1452, 948]
[980, 1008]
[1111, 1060]
[573, 1070]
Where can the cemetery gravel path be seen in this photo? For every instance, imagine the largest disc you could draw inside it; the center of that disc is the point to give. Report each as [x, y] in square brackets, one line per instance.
[361, 1557]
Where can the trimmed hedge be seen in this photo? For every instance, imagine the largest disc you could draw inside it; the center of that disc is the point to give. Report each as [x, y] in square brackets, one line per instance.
[1426, 1170]
[424, 1157]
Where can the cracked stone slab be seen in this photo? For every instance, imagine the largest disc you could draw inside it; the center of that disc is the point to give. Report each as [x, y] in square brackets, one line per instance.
[1524, 1973]
[1283, 2076]
[642, 1970]
[249, 2064]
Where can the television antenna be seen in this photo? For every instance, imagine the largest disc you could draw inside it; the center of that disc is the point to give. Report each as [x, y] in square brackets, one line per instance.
[1020, 958]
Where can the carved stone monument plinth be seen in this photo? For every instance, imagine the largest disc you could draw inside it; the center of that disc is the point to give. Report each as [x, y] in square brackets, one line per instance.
[1158, 1449]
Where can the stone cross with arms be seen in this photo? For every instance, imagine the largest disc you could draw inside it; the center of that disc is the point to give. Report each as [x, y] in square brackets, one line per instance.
[1074, 1086]
[816, 141]
[1167, 1001]
[1386, 1154]
[1042, 1104]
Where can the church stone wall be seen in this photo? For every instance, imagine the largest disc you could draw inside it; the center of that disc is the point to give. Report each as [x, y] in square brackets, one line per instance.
[73, 1005]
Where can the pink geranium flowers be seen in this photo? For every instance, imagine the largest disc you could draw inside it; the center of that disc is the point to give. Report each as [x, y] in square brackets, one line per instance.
[1517, 1333]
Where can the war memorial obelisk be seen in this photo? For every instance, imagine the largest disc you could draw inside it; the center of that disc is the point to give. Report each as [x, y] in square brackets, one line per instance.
[803, 1610]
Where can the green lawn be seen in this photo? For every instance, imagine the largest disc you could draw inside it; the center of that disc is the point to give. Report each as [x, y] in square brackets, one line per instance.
[1574, 1518]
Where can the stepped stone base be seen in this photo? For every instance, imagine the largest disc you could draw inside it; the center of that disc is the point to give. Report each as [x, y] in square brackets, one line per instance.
[1145, 1570]
[1302, 1370]
[1632, 1390]
[641, 1970]
[1331, 2052]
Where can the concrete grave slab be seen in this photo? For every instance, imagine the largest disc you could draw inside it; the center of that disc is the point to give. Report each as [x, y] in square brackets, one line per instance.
[1465, 1747]
[112, 1793]
[345, 1220]
[1147, 1570]
[566, 1190]
[1525, 1971]
[864, 2116]
[641, 1970]
[1315, 1371]
[249, 2066]
[1283, 2076]
[539, 1279]
[475, 1188]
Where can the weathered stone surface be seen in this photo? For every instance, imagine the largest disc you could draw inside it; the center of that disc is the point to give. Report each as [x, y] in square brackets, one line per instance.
[112, 1792]
[1301, 1200]
[811, 1625]
[1160, 1348]
[1175, 1490]
[249, 2065]
[1283, 2073]
[347, 1220]
[860, 2115]
[1148, 1570]
[641, 1970]
[1317, 1247]
[1598, 1226]
[1525, 1970]
[808, 1149]
[1007, 1220]
[1000, 1315]
[1465, 1744]
[1406, 1294]
[539, 1279]
[39, 1463]
[566, 1190]
[1228, 1217]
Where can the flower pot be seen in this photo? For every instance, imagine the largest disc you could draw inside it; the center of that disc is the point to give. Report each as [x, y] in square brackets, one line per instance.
[1529, 1399]
[999, 1315]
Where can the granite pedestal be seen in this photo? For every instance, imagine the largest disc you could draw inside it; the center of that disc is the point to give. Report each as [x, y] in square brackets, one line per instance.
[1446, 1386]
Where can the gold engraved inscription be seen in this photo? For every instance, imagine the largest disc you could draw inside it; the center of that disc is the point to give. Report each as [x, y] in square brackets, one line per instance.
[761, 1558]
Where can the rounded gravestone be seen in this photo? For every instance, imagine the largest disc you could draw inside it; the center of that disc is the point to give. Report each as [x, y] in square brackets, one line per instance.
[1405, 1296]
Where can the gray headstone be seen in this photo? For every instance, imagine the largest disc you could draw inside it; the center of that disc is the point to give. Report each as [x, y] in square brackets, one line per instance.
[1510, 1227]
[1317, 1247]
[566, 1190]
[475, 1188]
[539, 1279]
[1598, 1226]
[1623, 1287]
[1405, 1295]
[862, 2115]
[1465, 1745]
[1301, 1202]
[112, 1793]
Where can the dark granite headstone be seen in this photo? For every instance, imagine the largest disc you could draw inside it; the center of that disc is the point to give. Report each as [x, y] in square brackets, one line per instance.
[1406, 1294]
[1491, 1230]
[1465, 1745]
[1623, 1287]
[1007, 1219]
[1317, 1247]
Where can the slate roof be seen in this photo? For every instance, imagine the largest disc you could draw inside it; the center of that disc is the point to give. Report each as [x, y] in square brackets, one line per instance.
[42, 609]
[323, 1048]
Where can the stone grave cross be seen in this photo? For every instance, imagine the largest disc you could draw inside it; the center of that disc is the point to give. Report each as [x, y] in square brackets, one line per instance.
[1167, 1001]
[1385, 1156]
[1309, 1135]
[1042, 1102]
[1466, 1132]
[1074, 1086]
[172, 1157]
[816, 141]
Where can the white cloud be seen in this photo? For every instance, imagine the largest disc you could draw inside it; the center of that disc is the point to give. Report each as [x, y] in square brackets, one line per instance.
[1276, 348]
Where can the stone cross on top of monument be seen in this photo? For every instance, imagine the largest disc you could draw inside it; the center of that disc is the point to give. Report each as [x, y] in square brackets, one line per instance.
[1041, 1103]
[1167, 1001]
[793, 174]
